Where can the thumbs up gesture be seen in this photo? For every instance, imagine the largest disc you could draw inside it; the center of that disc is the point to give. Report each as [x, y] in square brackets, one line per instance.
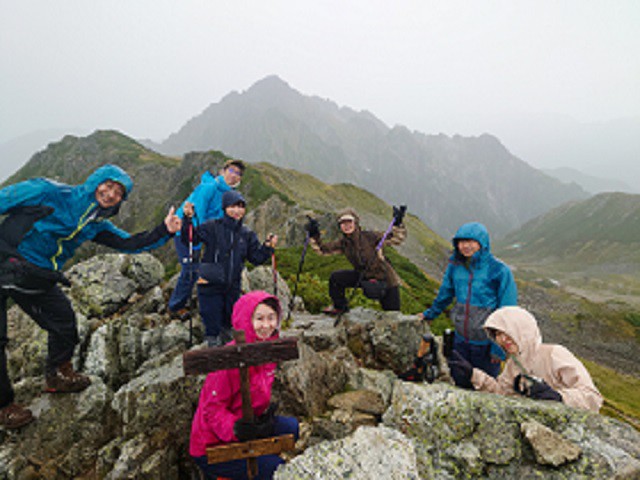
[172, 221]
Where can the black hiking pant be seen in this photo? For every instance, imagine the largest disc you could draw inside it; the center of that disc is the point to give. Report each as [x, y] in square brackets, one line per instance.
[343, 279]
[52, 311]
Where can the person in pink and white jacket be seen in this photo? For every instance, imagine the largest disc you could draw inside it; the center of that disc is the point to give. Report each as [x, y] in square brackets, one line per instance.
[218, 418]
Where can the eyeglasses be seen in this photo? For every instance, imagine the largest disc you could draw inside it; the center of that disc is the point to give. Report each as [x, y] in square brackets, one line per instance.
[235, 171]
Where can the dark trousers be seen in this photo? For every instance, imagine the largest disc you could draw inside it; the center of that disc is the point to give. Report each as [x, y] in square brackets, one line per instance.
[343, 279]
[237, 469]
[216, 308]
[52, 311]
[478, 355]
[188, 275]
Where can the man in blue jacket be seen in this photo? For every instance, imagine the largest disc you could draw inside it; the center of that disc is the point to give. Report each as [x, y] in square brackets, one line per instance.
[480, 284]
[46, 222]
[207, 203]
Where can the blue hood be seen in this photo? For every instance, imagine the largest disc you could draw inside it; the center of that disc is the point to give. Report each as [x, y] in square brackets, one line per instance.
[108, 172]
[473, 231]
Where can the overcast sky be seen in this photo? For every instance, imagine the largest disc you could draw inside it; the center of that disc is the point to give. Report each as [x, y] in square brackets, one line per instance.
[145, 67]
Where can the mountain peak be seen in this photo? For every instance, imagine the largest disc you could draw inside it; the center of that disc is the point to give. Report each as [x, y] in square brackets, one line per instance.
[270, 85]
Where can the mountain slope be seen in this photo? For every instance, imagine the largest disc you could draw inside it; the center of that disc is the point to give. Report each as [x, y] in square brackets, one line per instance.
[597, 233]
[161, 181]
[445, 180]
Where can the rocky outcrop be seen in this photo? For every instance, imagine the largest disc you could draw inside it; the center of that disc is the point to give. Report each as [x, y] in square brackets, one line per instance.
[439, 431]
[358, 420]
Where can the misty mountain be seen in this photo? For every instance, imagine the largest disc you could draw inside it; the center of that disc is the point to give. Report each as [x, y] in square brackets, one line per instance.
[597, 235]
[16, 152]
[445, 180]
[608, 149]
[590, 183]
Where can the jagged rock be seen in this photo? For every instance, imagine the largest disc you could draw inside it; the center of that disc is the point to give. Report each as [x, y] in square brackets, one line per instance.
[370, 452]
[159, 398]
[549, 447]
[383, 340]
[261, 278]
[304, 385]
[63, 441]
[380, 381]
[317, 331]
[365, 401]
[439, 418]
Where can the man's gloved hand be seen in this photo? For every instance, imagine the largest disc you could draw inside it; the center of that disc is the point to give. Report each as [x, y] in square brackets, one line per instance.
[398, 214]
[312, 227]
[535, 388]
[261, 427]
[458, 364]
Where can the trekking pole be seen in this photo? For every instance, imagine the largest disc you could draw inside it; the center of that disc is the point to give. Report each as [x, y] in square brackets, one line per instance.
[295, 286]
[191, 283]
[274, 271]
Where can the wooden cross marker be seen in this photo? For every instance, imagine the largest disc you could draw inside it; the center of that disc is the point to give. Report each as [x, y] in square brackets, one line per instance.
[243, 355]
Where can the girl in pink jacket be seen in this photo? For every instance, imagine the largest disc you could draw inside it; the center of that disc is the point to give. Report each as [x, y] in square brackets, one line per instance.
[218, 418]
[538, 370]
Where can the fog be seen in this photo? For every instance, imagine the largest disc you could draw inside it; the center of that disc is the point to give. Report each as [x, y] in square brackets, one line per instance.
[458, 67]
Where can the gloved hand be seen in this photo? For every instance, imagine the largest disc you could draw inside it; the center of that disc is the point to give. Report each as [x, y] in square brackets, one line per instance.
[261, 427]
[312, 227]
[398, 214]
[459, 366]
[535, 388]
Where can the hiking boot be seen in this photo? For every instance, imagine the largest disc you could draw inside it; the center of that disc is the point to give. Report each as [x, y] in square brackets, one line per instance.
[182, 314]
[14, 416]
[333, 311]
[66, 380]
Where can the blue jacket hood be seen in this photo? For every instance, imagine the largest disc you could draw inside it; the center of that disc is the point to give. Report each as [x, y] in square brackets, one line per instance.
[108, 172]
[473, 231]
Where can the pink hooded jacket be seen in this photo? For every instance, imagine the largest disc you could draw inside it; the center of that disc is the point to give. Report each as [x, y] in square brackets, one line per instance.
[553, 363]
[220, 403]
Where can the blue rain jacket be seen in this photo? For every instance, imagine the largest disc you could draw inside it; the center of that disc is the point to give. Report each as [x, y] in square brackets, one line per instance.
[76, 218]
[207, 199]
[480, 285]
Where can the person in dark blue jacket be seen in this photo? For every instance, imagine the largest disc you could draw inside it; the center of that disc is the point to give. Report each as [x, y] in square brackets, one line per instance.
[480, 284]
[227, 244]
[46, 222]
[207, 203]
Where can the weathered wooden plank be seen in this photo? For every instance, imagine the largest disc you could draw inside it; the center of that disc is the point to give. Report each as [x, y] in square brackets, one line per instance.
[207, 360]
[250, 449]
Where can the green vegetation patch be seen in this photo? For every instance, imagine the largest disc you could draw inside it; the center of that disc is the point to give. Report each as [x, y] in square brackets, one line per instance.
[620, 391]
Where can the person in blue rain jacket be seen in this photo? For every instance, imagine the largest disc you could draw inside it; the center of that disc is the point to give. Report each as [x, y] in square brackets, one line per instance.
[207, 204]
[46, 221]
[480, 284]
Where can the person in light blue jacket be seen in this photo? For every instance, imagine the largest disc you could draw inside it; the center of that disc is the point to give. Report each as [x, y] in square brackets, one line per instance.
[46, 222]
[480, 284]
[207, 203]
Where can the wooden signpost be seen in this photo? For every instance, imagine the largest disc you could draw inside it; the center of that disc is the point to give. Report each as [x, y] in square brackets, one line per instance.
[242, 356]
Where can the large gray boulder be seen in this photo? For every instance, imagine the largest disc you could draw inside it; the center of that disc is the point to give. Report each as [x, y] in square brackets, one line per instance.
[371, 452]
[463, 433]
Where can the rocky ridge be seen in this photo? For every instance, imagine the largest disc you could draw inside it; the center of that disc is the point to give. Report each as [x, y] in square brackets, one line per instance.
[358, 420]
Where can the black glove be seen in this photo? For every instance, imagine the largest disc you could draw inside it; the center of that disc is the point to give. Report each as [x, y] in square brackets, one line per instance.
[245, 430]
[460, 367]
[262, 427]
[535, 388]
[312, 227]
[398, 214]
